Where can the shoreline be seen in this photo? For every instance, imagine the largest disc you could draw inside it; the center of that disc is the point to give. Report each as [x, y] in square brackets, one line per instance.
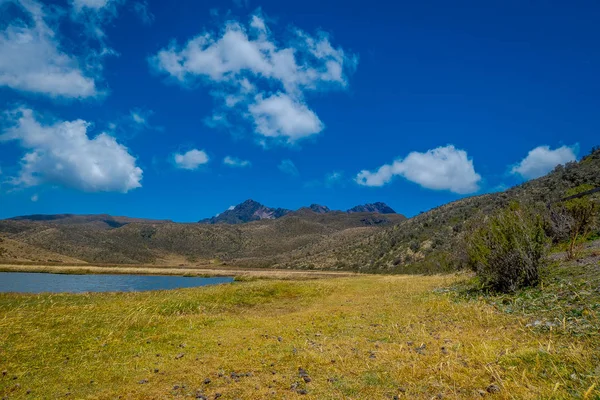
[209, 271]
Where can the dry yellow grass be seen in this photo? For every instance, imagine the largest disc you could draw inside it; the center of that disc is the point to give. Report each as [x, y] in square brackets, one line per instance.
[371, 337]
[16, 251]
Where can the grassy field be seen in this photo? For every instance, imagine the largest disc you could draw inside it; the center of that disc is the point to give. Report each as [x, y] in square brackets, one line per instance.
[369, 337]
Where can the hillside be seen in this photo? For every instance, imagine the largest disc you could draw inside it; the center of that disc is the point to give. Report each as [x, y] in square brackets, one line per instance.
[259, 243]
[423, 243]
[103, 221]
[13, 251]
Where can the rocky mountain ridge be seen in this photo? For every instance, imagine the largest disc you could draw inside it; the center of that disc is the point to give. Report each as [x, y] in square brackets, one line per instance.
[251, 210]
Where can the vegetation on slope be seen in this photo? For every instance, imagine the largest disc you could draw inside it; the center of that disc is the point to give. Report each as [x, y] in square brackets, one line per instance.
[354, 338]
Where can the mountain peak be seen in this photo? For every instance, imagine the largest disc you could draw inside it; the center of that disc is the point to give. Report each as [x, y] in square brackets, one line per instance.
[248, 211]
[251, 210]
[378, 207]
[249, 203]
[319, 209]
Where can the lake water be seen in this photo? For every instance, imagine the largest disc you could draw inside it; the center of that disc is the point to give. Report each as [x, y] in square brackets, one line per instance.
[24, 282]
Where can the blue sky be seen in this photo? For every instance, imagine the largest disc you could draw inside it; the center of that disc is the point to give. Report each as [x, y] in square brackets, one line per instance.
[146, 109]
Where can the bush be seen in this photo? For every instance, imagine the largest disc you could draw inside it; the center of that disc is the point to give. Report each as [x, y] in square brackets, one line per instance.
[506, 249]
[582, 212]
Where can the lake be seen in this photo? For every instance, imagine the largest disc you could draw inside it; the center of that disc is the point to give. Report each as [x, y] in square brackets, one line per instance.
[26, 282]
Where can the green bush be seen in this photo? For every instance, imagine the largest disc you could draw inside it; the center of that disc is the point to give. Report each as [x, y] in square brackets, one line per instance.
[506, 249]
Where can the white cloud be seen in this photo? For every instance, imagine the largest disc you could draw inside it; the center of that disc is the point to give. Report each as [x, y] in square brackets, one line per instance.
[443, 168]
[190, 160]
[31, 59]
[62, 153]
[142, 10]
[35, 198]
[542, 160]
[236, 162]
[288, 167]
[258, 78]
[282, 116]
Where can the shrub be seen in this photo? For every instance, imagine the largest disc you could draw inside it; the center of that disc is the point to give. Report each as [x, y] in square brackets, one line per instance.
[559, 223]
[582, 212]
[506, 249]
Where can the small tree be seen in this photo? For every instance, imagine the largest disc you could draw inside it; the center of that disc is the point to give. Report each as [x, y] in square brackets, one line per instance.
[582, 212]
[506, 249]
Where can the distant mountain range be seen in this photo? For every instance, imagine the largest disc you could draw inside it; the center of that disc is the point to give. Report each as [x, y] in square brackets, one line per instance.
[274, 237]
[251, 210]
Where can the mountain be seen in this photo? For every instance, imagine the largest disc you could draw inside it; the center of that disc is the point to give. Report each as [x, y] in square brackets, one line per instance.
[251, 210]
[247, 211]
[380, 208]
[319, 209]
[260, 243]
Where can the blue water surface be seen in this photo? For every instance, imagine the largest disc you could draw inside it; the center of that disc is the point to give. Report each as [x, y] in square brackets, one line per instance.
[26, 282]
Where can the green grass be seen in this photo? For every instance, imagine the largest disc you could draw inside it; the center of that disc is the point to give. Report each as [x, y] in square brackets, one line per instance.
[363, 337]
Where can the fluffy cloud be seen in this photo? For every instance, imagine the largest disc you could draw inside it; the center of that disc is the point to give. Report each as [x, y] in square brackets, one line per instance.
[255, 78]
[236, 162]
[31, 59]
[282, 116]
[288, 167]
[62, 153]
[542, 160]
[190, 160]
[443, 168]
